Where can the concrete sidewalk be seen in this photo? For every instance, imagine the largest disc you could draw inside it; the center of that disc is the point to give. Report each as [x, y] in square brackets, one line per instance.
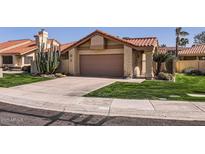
[105, 106]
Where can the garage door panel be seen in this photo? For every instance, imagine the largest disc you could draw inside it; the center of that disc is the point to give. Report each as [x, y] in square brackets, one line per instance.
[101, 65]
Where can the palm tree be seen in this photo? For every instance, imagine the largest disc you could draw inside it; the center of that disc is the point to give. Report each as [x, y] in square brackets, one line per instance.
[160, 58]
[184, 42]
[180, 40]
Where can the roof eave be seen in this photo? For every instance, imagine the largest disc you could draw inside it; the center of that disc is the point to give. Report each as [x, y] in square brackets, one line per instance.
[108, 36]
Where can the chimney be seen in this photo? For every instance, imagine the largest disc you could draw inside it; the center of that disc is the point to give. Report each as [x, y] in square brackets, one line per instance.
[42, 38]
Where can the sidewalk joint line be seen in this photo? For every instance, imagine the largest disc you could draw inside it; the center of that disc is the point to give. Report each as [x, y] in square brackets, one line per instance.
[110, 108]
[197, 107]
[152, 105]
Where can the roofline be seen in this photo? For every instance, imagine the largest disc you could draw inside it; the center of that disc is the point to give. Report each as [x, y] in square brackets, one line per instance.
[16, 40]
[106, 35]
[28, 51]
[55, 40]
[126, 38]
[15, 46]
[18, 53]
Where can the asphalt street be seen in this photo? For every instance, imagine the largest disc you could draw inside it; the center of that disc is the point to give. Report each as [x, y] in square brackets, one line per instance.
[13, 115]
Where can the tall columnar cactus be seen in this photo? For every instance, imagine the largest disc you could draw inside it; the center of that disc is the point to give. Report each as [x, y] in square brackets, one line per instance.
[47, 60]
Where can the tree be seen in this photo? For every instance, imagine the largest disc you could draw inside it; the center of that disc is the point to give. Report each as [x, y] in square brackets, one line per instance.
[184, 42]
[200, 38]
[180, 39]
[160, 58]
[163, 45]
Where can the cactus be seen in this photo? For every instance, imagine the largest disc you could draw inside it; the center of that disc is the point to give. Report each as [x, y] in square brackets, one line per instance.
[47, 60]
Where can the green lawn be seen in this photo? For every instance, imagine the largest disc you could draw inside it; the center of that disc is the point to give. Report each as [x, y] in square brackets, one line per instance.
[153, 89]
[10, 80]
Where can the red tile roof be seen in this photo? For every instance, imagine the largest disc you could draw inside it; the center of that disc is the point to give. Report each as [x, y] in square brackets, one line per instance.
[19, 46]
[133, 42]
[8, 44]
[173, 49]
[198, 50]
[141, 42]
[66, 45]
[22, 49]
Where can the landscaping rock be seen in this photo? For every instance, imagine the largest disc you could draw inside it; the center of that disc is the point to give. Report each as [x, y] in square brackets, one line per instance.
[48, 75]
[59, 75]
[174, 96]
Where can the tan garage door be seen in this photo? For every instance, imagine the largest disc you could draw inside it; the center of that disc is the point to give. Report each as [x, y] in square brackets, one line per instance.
[101, 65]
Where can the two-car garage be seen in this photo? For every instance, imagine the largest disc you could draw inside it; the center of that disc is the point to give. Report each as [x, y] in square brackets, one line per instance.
[104, 65]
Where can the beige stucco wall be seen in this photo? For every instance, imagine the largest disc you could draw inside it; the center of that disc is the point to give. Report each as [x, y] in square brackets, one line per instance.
[137, 62]
[143, 72]
[128, 62]
[105, 51]
[1, 72]
[149, 65]
[97, 42]
[73, 61]
[64, 66]
[16, 61]
[1, 61]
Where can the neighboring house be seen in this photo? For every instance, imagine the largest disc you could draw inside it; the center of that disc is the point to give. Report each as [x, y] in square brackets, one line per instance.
[101, 54]
[171, 50]
[196, 52]
[20, 53]
[189, 58]
[192, 58]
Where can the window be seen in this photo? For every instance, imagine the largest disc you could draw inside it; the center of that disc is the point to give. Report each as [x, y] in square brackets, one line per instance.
[28, 59]
[65, 56]
[7, 60]
[190, 58]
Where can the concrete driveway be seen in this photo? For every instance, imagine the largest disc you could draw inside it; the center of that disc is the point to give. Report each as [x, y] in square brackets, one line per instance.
[67, 86]
[64, 95]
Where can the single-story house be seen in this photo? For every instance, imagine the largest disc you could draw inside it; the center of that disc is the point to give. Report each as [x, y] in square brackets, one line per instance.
[104, 55]
[171, 50]
[189, 58]
[20, 53]
[196, 52]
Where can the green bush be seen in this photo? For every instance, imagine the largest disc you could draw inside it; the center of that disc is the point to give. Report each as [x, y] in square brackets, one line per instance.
[165, 76]
[26, 69]
[192, 71]
[169, 65]
[160, 58]
[196, 72]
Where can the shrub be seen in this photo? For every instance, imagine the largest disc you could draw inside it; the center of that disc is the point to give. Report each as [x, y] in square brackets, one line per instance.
[187, 70]
[192, 71]
[196, 72]
[26, 69]
[165, 76]
[169, 66]
[160, 58]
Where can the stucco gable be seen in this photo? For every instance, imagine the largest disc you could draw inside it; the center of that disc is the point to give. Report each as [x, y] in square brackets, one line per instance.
[133, 43]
